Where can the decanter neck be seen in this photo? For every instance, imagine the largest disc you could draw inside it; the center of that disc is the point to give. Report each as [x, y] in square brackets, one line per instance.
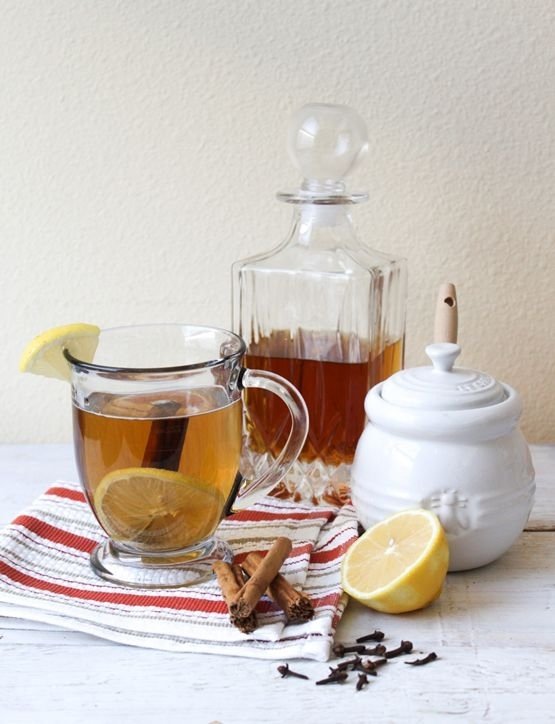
[322, 226]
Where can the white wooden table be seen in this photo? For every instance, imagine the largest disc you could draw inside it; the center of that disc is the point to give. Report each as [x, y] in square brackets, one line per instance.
[493, 629]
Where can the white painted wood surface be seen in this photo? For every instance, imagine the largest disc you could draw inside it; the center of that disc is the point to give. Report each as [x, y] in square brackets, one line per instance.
[493, 629]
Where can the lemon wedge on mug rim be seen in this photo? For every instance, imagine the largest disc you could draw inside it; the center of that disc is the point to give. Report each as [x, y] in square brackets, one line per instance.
[156, 509]
[399, 564]
[44, 355]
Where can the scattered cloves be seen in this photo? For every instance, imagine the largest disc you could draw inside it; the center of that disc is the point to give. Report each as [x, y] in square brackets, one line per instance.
[339, 673]
[421, 662]
[374, 636]
[285, 671]
[362, 681]
[404, 648]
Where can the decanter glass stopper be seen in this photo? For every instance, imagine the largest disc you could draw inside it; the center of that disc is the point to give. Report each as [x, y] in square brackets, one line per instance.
[325, 142]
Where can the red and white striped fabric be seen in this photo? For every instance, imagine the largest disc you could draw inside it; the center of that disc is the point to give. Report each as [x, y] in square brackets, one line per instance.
[45, 576]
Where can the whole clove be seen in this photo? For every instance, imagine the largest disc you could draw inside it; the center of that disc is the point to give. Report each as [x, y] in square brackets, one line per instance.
[421, 662]
[378, 650]
[374, 636]
[369, 667]
[340, 649]
[362, 681]
[404, 648]
[353, 663]
[335, 677]
[285, 671]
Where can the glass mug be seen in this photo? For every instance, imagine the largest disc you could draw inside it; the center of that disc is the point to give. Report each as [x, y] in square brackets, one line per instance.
[158, 422]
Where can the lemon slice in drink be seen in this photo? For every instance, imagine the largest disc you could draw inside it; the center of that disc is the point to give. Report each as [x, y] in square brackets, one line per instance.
[44, 355]
[398, 565]
[156, 509]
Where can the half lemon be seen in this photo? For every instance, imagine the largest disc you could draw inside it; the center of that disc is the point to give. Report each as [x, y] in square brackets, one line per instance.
[399, 564]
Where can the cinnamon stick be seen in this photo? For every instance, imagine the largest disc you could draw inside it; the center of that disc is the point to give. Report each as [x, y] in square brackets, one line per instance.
[296, 605]
[166, 438]
[231, 581]
[249, 595]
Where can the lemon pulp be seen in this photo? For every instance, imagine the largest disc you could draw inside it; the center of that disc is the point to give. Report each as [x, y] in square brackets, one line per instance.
[156, 509]
[398, 565]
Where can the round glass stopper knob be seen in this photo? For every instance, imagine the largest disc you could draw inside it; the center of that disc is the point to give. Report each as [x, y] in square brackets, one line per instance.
[325, 142]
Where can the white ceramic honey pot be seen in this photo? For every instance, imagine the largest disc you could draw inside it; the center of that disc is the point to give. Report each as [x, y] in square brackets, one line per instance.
[447, 439]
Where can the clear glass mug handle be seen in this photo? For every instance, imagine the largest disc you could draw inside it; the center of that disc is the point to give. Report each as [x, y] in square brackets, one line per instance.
[250, 490]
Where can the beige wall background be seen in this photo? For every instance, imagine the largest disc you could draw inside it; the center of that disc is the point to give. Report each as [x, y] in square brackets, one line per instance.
[142, 143]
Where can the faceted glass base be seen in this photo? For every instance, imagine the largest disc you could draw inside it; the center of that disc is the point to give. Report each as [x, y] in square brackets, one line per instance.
[309, 482]
[181, 568]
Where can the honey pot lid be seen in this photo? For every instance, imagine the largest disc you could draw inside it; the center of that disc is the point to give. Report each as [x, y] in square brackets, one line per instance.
[442, 386]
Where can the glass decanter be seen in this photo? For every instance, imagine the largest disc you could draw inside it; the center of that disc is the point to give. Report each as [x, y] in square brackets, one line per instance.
[321, 309]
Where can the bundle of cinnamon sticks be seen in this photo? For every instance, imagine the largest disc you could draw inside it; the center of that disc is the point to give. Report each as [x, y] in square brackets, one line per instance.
[263, 576]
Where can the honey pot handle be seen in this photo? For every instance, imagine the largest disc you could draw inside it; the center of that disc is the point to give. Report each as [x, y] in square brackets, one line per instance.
[447, 316]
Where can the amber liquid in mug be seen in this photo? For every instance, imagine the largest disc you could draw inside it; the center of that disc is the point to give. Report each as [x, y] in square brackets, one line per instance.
[159, 473]
[334, 393]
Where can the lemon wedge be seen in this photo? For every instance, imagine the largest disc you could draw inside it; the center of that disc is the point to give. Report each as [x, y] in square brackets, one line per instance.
[399, 564]
[44, 354]
[157, 509]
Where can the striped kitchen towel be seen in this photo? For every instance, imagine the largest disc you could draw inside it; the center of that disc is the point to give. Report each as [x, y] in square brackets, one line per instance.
[45, 576]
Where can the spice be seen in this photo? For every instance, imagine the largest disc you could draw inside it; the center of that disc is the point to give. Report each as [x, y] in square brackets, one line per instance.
[362, 681]
[166, 439]
[335, 677]
[421, 662]
[369, 667]
[231, 582]
[339, 673]
[337, 494]
[374, 636]
[404, 648]
[281, 491]
[340, 649]
[378, 650]
[296, 605]
[246, 599]
[285, 671]
[353, 663]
